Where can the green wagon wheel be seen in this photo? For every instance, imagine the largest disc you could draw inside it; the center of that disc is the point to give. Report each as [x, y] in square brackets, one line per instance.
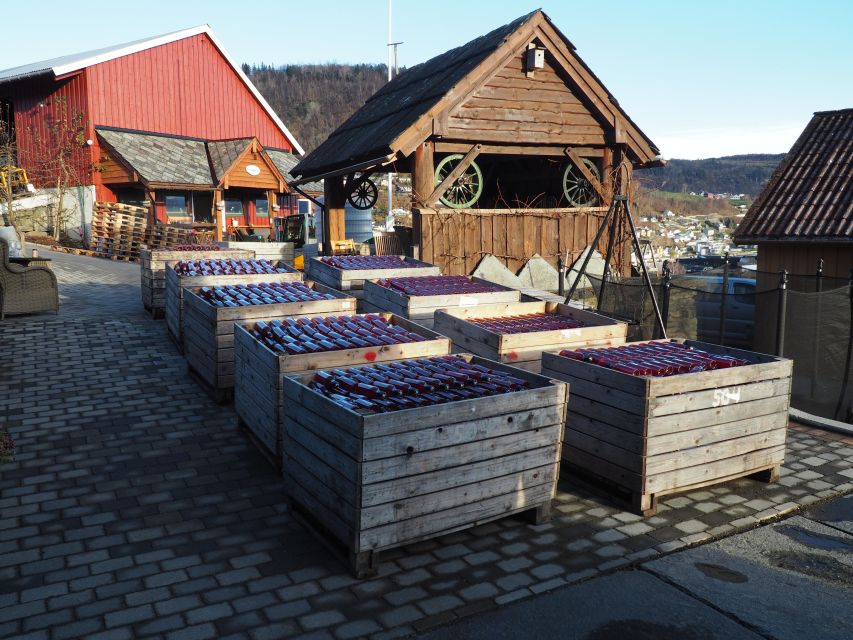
[467, 188]
[577, 189]
[365, 194]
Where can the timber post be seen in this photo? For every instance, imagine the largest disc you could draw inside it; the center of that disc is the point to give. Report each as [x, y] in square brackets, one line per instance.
[423, 184]
[334, 222]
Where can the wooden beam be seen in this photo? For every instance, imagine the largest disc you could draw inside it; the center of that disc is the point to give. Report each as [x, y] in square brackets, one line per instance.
[334, 216]
[517, 150]
[579, 163]
[423, 173]
[218, 215]
[454, 175]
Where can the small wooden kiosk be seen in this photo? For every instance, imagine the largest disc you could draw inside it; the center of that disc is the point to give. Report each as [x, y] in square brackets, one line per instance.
[514, 146]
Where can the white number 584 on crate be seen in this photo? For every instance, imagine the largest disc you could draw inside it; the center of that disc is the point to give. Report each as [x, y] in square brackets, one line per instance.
[661, 417]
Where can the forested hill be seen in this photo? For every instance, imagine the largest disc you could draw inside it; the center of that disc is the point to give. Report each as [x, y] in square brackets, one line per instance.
[313, 99]
[731, 174]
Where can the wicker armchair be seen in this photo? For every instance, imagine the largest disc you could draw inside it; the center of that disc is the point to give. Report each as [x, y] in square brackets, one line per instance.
[26, 289]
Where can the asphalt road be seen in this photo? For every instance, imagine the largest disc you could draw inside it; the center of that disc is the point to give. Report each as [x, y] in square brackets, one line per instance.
[789, 580]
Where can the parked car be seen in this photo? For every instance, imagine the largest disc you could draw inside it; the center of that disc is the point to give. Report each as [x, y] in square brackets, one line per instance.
[739, 325]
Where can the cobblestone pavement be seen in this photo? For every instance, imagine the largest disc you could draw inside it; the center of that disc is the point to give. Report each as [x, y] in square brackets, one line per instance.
[136, 508]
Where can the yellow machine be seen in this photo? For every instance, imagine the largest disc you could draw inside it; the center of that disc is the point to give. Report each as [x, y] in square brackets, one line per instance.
[13, 177]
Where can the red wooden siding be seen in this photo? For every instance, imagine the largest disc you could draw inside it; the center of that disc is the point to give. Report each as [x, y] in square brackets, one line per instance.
[183, 88]
[37, 105]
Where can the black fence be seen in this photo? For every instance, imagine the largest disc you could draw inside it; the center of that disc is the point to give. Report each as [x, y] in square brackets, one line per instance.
[804, 317]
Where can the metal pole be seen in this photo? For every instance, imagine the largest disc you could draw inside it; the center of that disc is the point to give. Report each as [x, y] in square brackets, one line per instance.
[666, 288]
[560, 285]
[782, 311]
[816, 346]
[642, 260]
[592, 247]
[724, 300]
[391, 56]
[611, 241]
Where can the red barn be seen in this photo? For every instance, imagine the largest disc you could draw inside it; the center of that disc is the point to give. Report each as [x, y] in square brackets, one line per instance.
[171, 122]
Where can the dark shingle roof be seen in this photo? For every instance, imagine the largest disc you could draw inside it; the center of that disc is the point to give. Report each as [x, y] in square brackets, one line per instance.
[810, 195]
[224, 153]
[159, 158]
[373, 131]
[369, 132]
[285, 161]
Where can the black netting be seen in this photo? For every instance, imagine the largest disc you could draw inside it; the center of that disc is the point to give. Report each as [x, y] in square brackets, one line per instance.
[817, 324]
[817, 338]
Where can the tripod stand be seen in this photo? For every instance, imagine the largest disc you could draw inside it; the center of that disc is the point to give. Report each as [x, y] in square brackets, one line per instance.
[619, 207]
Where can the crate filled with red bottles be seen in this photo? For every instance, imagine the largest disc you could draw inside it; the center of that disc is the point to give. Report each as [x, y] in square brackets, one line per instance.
[418, 297]
[654, 418]
[265, 352]
[210, 313]
[348, 273]
[384, 454]
[216, 272]
[152, 268]
[517, 333]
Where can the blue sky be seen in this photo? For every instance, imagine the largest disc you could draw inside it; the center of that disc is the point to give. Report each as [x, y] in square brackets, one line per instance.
[702, 79]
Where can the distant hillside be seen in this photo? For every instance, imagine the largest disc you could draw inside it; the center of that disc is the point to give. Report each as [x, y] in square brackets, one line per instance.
[731, 174]
[313, 99]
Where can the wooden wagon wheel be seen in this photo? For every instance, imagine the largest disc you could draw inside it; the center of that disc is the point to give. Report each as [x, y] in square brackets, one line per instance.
[577, 189]
[467, 188]
[365, 194]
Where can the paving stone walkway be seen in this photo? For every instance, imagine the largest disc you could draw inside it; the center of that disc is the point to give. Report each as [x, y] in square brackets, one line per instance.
[136, 508]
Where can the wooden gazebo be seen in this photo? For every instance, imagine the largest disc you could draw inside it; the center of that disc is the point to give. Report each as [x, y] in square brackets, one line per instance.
[515, 148]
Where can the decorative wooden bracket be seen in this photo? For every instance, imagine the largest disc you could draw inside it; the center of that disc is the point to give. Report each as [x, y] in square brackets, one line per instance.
[453, 176]
[579, 163]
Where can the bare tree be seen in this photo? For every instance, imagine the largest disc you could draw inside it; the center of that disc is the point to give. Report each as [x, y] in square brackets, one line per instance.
[63, 162]
[9, 191]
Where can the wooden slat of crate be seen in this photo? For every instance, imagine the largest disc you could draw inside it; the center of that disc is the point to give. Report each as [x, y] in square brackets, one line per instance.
[448, 467]
[421, 309]
[175, 285]
[655, 436]
[525, 349]
[209, 330]
[152, 263]
[260, 372]
[352, 280]
[272, 251]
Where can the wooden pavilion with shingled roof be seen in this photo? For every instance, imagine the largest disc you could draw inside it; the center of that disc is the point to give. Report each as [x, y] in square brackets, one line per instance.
[514, 145]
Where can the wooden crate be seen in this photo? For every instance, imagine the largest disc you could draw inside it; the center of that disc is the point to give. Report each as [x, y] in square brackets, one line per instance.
[380, 481]
[352, 280]
[259, 375]
[421, 309]
[209, 332]
[525, 349]
[272, 251]
[175, 285]
[152, 269]
[649, 437]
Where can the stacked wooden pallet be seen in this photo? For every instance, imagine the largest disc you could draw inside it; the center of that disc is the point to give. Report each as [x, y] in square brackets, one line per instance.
[118, 230]
[162, 236]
